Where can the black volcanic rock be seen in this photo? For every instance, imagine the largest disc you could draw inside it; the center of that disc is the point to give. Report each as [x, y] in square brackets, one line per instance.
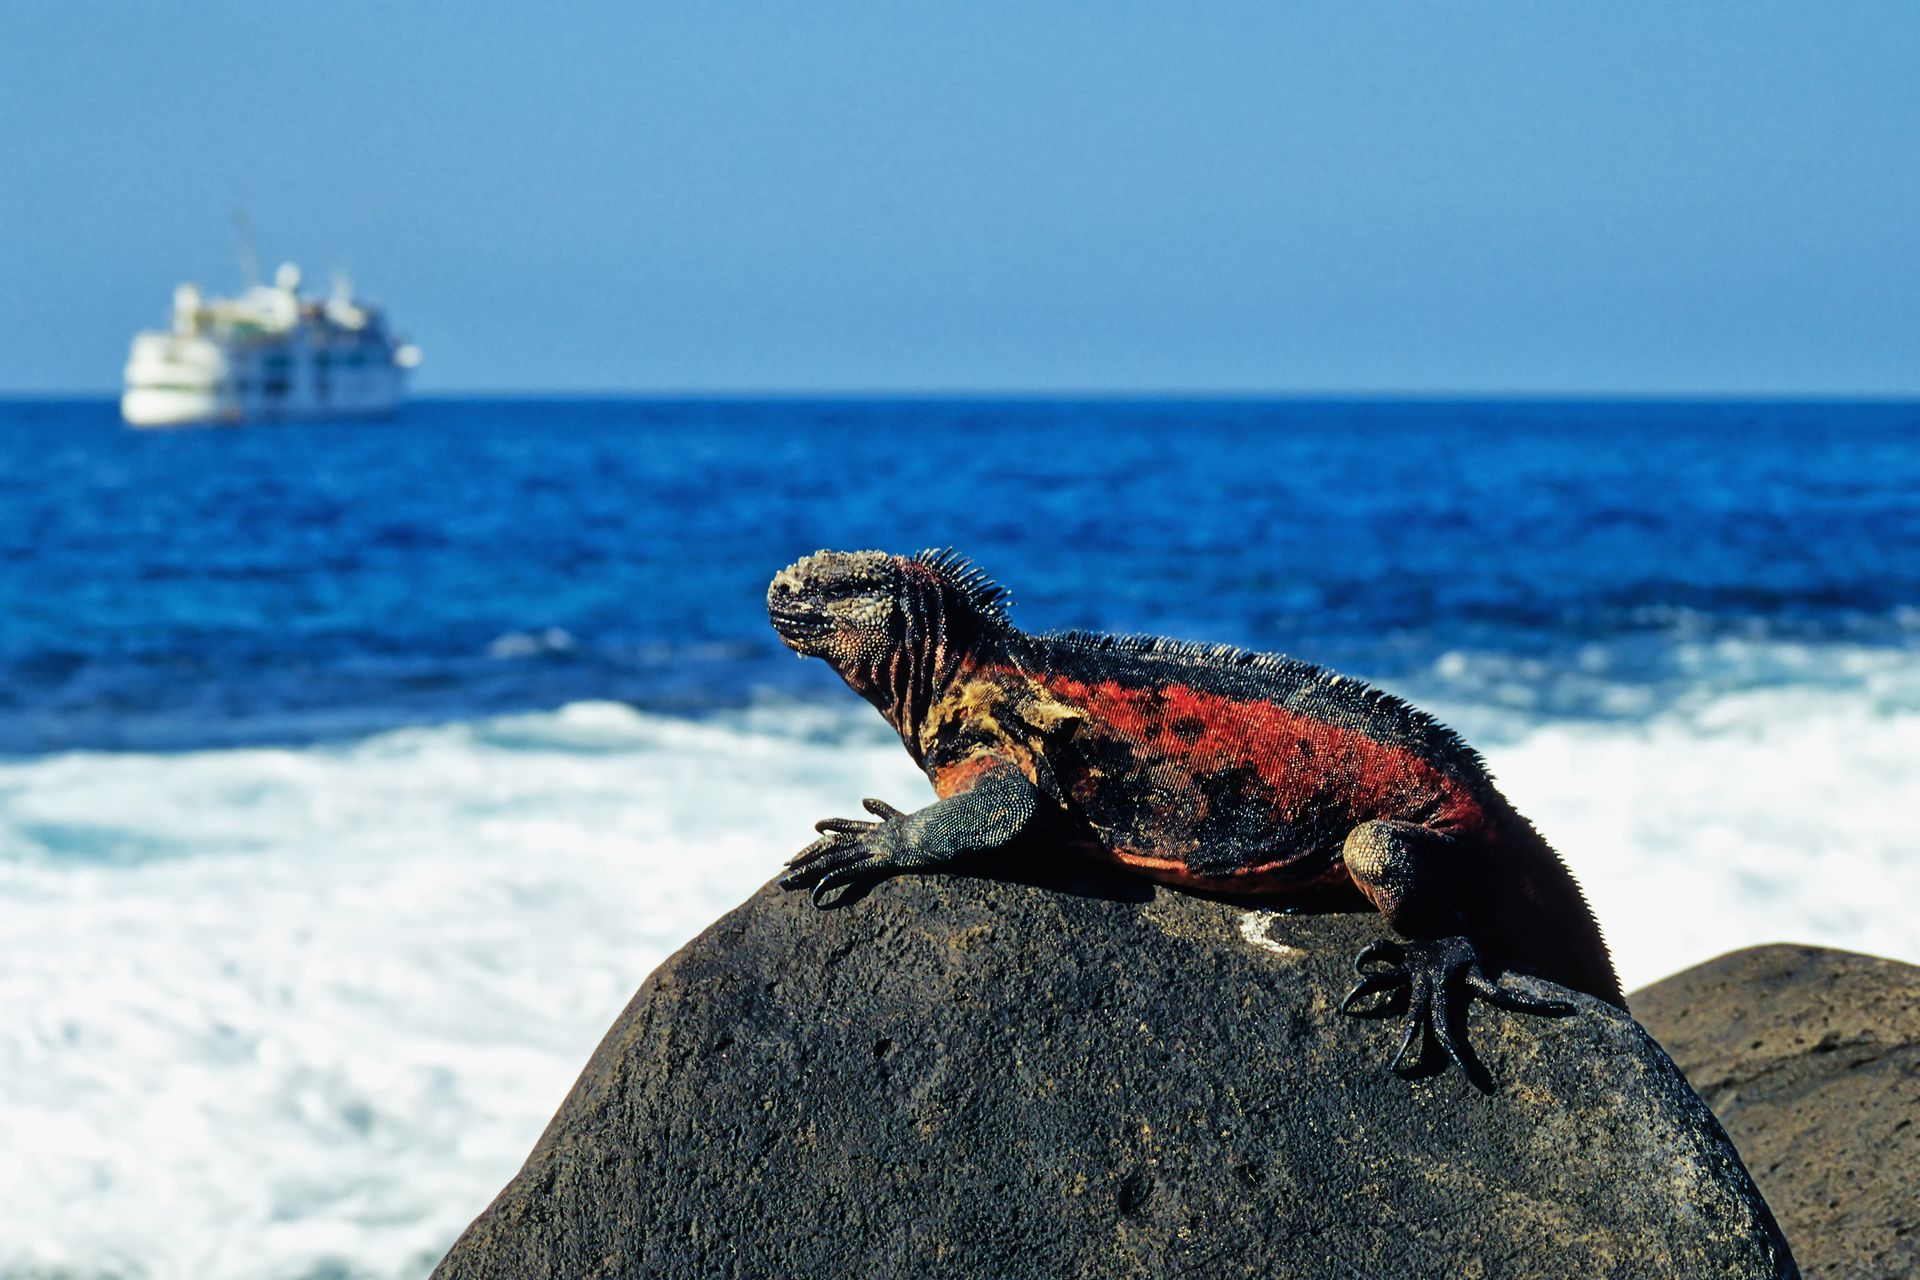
[966, 1077]
[1811, 1059]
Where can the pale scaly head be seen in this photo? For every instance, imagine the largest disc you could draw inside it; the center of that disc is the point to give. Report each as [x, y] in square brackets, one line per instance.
[843, 606]
[896, 628]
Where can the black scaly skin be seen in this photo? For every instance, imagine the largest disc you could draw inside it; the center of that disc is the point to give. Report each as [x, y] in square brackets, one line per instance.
[1206, 767]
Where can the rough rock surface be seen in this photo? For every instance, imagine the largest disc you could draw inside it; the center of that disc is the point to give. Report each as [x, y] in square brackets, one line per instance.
[1811, 1059]
[969, 1077]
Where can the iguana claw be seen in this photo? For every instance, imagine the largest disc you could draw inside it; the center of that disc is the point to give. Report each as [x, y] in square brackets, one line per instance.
[1434, 981]
[841, 833]
[848, 850]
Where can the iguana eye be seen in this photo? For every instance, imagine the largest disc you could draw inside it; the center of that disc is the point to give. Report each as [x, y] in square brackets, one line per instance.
[850, 589]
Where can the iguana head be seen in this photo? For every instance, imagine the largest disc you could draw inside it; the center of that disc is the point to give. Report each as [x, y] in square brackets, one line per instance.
[843, 606]
[866, 611]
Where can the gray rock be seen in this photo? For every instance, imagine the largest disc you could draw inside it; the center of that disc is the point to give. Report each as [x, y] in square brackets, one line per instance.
[1811, 1059]
[968, 1077]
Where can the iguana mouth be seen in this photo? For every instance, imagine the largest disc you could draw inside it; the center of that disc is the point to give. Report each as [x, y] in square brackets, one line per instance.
[797, 625]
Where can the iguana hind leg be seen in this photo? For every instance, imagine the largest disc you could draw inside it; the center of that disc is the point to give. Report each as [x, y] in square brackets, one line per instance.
[1403, 869]
[998, 807]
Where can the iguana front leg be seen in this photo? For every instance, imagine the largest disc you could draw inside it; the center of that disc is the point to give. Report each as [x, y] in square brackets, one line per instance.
[1402, 868]
[996, 808]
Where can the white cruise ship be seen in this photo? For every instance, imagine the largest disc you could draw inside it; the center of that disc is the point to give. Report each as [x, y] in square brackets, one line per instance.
[267, 355]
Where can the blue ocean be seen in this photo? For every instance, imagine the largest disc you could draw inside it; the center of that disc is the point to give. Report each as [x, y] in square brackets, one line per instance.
[353, 776]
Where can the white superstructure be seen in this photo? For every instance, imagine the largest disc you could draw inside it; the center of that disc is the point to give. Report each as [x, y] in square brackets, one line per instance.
[266, 355]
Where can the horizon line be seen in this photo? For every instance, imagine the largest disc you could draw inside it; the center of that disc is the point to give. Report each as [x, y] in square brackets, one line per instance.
[1030, 395]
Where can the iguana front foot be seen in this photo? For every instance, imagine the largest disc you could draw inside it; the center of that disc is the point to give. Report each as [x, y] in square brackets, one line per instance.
[850, 850]
[1435, 980]
[995, 810]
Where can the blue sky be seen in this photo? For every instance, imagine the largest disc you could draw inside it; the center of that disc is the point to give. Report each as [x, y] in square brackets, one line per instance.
[1345, 197]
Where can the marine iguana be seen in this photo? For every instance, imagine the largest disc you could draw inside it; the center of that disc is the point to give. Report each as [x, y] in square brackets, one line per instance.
[1206, 767]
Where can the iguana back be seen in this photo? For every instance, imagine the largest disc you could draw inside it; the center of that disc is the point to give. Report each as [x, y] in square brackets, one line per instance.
[1245, 773]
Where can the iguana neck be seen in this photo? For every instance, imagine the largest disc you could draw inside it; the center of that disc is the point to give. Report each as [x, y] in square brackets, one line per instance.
[939, 642]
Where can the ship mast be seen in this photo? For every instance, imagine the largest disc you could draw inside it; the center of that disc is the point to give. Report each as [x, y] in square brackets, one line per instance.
[243, 238]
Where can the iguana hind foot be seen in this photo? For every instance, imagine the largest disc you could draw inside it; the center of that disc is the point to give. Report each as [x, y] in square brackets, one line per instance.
[1433, 981]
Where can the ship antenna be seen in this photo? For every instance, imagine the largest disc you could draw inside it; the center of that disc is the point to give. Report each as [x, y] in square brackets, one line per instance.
[243, 238]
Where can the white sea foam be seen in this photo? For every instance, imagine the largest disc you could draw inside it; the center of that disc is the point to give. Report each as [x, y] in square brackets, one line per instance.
[300, 1013]
[1771, 815]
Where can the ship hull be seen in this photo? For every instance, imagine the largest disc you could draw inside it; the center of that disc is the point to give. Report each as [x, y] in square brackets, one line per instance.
[165, 406]
[146, 408]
